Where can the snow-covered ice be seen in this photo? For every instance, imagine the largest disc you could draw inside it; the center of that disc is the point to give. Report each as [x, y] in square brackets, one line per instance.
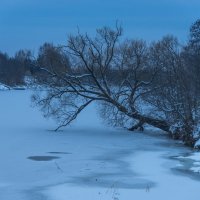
[87, 161]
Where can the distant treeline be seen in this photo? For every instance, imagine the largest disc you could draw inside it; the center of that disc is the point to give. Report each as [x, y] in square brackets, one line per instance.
[13, 70]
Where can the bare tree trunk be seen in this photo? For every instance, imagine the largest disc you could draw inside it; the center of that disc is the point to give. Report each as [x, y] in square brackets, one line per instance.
[161, 124]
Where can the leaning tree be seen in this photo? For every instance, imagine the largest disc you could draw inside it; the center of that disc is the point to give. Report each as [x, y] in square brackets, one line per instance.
[135, 83]
[104, 69]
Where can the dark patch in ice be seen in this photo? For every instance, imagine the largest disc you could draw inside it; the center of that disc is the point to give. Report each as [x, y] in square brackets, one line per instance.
[181, 171]
[117, 173]
[170, 144]
[185, 168]
[109, 179]
[58, 152]
[35, 193]
[42, 158]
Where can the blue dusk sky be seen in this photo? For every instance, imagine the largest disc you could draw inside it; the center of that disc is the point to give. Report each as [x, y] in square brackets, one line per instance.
[27, 24]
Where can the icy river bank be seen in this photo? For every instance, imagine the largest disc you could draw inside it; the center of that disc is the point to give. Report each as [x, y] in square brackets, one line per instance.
[88, 161]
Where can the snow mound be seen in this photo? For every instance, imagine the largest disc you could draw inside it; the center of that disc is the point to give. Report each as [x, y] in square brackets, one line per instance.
[195, 156]
[195, 169]
[177, 127]
[19, 88]
[4, 87]
[197, 144]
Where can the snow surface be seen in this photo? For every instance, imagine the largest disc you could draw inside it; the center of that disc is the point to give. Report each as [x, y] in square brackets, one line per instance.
[94, 162]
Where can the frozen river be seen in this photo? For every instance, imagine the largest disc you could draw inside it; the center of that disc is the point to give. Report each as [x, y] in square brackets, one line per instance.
[88, 161]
